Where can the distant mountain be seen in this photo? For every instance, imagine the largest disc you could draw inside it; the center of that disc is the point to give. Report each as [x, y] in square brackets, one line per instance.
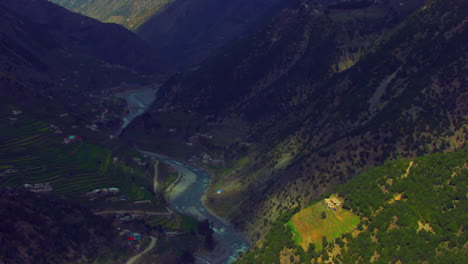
[183, 32]
[53, 58]
[129, 13]
[314, 98]
[62, 30]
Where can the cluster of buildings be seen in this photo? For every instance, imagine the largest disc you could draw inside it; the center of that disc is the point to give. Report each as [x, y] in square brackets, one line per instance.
[38, 187]
[206, 159]
[5, 172]
[103, 191]
[193, 139]
[132, 236]
[71, 139]
[124, 217]
[167, 108]
[92, 126]
[209, 160]
[15, 113]
[139, 162]
[56, 128]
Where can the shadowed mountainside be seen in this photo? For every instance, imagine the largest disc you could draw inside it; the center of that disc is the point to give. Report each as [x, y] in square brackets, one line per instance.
[313, 99]
[129, 13]
[60, 30]
[52, 60]
[42, 229]
[183, 32]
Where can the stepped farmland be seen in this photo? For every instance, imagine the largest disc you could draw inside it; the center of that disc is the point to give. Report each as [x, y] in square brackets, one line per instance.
[32, 152]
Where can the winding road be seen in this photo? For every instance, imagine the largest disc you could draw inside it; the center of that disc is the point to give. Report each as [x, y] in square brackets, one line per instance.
[133, 259]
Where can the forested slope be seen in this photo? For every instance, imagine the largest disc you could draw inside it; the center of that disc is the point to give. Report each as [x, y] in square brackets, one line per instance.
[411, 211]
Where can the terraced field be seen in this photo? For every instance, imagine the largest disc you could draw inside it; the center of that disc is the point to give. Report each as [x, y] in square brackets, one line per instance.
[313, 223]
[31, 152]
[164, 221]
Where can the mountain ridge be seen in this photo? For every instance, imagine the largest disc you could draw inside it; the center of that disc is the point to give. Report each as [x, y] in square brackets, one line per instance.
[182, 32]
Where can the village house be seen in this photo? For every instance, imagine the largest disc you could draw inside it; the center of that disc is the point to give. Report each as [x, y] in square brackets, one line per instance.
[332, 202]
[139, 162]
[143, 202]
[93, 127]
[38, 187]
[113, 190]
[71, 139]
[124, 218]
[103, 191]
[7, 171]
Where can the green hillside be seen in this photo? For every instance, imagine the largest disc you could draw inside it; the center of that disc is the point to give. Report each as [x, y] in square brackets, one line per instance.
[318, 222]
[411, 211]
[32, 151]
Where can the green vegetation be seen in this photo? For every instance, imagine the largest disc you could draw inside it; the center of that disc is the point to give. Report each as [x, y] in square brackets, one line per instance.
[313, 223]
[411, 211]
[416, 210]
[34, 153]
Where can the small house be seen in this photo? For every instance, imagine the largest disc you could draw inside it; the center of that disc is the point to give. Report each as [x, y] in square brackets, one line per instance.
[137, 236]
[113, 190]
[330, 203]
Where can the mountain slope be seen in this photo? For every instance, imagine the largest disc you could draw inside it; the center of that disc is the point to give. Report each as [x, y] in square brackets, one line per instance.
[314, 99]
[183, 32]
[70, 32]
[54, 61]
[42, 229]
[411, 211]
[129, 13]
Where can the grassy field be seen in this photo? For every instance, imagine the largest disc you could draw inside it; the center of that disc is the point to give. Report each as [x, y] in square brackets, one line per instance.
[309, 226]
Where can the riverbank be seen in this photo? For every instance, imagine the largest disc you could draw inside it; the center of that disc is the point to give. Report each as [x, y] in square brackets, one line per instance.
[182, 183]
[186, 198]
[211, 211]
[138, 100]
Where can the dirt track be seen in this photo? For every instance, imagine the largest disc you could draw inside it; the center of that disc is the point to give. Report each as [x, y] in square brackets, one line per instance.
[133, 259]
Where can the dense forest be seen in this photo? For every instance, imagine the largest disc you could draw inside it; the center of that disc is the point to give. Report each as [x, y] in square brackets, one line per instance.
[44, 229]
[411, 211]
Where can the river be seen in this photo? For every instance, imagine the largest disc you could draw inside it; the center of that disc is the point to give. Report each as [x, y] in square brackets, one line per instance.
[186, 196]
[138, 100]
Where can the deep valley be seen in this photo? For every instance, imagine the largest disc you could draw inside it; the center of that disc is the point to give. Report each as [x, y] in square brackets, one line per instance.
[176, 131]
